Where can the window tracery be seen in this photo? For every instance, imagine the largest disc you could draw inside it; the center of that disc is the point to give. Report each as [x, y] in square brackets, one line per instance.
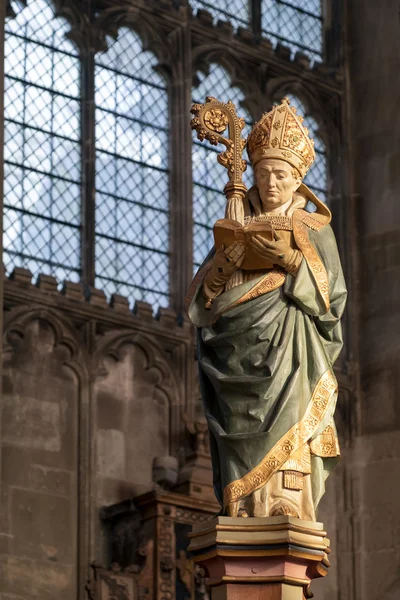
[42, 145]
[294, 23]
[132, 198]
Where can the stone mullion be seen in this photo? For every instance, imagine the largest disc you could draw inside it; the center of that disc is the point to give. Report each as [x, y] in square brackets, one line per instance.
[181, 222]
[2, 22]
[255, 17]
[88, 166]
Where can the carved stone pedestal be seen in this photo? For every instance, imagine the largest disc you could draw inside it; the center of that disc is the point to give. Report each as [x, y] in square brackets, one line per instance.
[274, 558]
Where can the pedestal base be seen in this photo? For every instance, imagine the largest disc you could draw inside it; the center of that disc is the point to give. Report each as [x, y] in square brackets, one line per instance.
[257, 591]
[273, 558]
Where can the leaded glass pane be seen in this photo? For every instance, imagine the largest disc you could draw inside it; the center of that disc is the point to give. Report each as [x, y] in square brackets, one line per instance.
[42, 145]
[236, 12]
[132, 207]
[316, 178]
[209, 177]
[294, 23]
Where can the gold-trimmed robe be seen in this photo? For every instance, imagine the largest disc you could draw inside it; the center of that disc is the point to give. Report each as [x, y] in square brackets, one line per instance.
[266, 351]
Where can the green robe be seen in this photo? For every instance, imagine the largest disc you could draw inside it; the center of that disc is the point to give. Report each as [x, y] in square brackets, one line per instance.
[260, 364]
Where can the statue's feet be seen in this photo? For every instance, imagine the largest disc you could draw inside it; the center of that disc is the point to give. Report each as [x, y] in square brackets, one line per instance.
[243, 513]
[284, 509]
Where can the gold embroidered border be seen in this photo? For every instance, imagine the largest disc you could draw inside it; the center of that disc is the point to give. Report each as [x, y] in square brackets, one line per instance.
[300, 433]
[280, 222]
[311, 222]
[326, 444]
[313, 260]
[196, 281]
[271, 281]
[299, 460]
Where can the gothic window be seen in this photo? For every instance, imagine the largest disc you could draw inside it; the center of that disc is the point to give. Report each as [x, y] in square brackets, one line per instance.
[316, 178]
[132, 201]
[209, 177]
[42, 145]
[236, 12]
[294, 23]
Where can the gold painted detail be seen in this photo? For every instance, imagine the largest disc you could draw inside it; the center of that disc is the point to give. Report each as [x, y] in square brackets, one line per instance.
[270, 282]
[280, 222]
[299, 460]
[311, 222]
[326, 444]
[281, 134]
[311, 255]
[210, 120]
[297, 435]
[293, 480]
[216, 120]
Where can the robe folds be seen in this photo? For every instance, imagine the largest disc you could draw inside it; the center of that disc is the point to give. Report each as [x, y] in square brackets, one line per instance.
[266, 351]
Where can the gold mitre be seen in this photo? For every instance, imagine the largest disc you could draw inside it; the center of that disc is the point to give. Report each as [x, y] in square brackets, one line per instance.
[280, 134]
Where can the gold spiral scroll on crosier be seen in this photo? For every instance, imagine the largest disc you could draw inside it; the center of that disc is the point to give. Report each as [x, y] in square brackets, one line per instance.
[210, 120]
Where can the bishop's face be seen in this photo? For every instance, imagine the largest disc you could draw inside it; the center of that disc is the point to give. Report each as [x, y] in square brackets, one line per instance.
[276, 182]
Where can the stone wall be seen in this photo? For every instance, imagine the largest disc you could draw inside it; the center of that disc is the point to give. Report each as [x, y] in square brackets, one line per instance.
[42, 393]
[373, 43]
[91, 394]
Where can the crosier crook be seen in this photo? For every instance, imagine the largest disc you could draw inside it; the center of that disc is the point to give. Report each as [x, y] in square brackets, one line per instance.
[210, 120]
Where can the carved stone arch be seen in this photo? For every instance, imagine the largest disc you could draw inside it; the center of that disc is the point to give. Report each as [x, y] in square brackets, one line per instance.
[69, 10]
[13, 7]
[327, 131]
[77, 16]
[112, 19]
[112, 345]
[226, 57]
[47, 420]
[138, 405]
[65, 337]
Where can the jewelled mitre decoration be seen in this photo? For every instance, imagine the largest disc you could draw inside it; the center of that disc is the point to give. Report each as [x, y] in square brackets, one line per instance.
[280, 134]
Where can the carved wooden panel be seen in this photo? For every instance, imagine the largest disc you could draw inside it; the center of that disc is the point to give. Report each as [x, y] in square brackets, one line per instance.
[150, 532]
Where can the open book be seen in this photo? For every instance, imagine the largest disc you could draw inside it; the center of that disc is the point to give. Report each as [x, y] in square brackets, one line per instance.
[228, 231]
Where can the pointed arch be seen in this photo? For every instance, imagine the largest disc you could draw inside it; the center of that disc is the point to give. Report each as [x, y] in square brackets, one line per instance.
[206, 55]
[132, 172]
[42, 145]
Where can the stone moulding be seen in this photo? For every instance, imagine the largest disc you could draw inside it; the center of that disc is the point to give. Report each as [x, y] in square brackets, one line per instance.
[283, 550]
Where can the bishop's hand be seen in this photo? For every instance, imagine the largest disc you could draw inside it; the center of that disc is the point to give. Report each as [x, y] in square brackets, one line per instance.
[278, 252]
[225, 263]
